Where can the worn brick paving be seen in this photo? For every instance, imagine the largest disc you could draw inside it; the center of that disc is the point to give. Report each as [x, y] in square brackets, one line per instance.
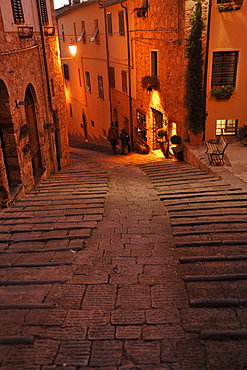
[123, 305]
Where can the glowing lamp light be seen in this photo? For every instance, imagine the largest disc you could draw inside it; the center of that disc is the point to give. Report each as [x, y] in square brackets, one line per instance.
[72, 48]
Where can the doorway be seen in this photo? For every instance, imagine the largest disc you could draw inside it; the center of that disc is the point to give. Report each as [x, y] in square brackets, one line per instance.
[10, 177]
[33, 133]
[157, 123]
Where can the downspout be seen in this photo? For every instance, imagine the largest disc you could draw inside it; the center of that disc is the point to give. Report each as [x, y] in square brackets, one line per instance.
[206, 60]
[107, 60]
[108, 64]
[129, 79]
[48, 87]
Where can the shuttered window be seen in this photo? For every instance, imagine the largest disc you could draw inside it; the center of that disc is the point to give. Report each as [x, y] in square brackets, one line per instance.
[44, 13]
[100, 87]
[109, 23]
[66, 71]
[121, 23]
[224, 68]
[112, 77]
[17, 11]
[88, 81]
[124, 81]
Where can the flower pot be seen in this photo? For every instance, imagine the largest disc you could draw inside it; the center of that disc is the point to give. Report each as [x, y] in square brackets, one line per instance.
[195, 139]
[164, 146]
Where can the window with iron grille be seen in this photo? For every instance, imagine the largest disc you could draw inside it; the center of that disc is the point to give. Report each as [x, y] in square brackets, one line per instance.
[124, 81]
[66, 71]
[17, 11]
[44, 13]
[100, 87]
[226, 126]
[112, 77]
[109, 23]
[121, 23]
[224, 68]
[88, 81]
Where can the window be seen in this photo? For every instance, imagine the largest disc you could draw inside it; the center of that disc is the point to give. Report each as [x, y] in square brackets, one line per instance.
[82, 35]
[124, 81]
[109, 23]
[100, 87]
[121, 23]
[154, 63]
[79, 76]
[63, 36]
[95, 34]
[17, 11]
[226, 126]
[92, 123]
[66, 71]
[141, 126]
[112, 77]
[70, 110]
[224, 68]
[52, 88]
[44, 14]
[88, 82]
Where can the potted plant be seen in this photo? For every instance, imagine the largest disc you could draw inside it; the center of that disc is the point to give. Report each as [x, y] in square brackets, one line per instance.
[195, 96]
[178, 147]
[222, 92]
[163, 141]
[242, 133]
[150, 83]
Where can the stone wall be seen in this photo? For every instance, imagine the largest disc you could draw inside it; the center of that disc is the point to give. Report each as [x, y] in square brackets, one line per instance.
[22, 68]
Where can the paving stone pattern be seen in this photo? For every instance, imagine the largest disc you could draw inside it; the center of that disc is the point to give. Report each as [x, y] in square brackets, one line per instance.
[124, 262]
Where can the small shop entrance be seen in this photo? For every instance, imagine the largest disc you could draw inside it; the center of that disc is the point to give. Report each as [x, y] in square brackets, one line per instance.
[157, 123]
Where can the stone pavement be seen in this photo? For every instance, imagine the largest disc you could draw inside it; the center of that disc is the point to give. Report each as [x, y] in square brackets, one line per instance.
[123, 301]
[235, 168]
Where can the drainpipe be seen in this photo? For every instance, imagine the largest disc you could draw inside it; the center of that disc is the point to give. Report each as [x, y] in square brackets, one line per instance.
[206, 58]
[48, 88]
[129, 73]
[108, 64]
[107, 59]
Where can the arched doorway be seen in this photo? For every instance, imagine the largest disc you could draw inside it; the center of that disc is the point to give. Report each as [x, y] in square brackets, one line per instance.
[10, 177]
[33, 133]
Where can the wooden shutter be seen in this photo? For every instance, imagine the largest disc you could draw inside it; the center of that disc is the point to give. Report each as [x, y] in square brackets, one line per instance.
[44, 13]
[17, 11]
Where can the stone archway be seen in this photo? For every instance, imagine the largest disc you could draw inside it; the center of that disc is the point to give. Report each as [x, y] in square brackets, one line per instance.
[10, 176]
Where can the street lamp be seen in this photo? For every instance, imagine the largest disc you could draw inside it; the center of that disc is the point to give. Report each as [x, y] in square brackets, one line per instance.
[72, 48]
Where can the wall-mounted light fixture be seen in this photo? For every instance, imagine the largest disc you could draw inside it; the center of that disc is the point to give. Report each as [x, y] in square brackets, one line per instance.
[72, 50]
[19, 102]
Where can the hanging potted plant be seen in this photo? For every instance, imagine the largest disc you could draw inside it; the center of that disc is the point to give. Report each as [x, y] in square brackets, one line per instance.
[195, 97]
[163, 141]
[222, 92]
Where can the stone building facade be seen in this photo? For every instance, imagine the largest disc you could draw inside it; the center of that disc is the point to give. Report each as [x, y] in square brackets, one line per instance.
[33, 119]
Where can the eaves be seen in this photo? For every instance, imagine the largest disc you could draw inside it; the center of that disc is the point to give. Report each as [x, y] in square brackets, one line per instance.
[70, 8]
[104, 4]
